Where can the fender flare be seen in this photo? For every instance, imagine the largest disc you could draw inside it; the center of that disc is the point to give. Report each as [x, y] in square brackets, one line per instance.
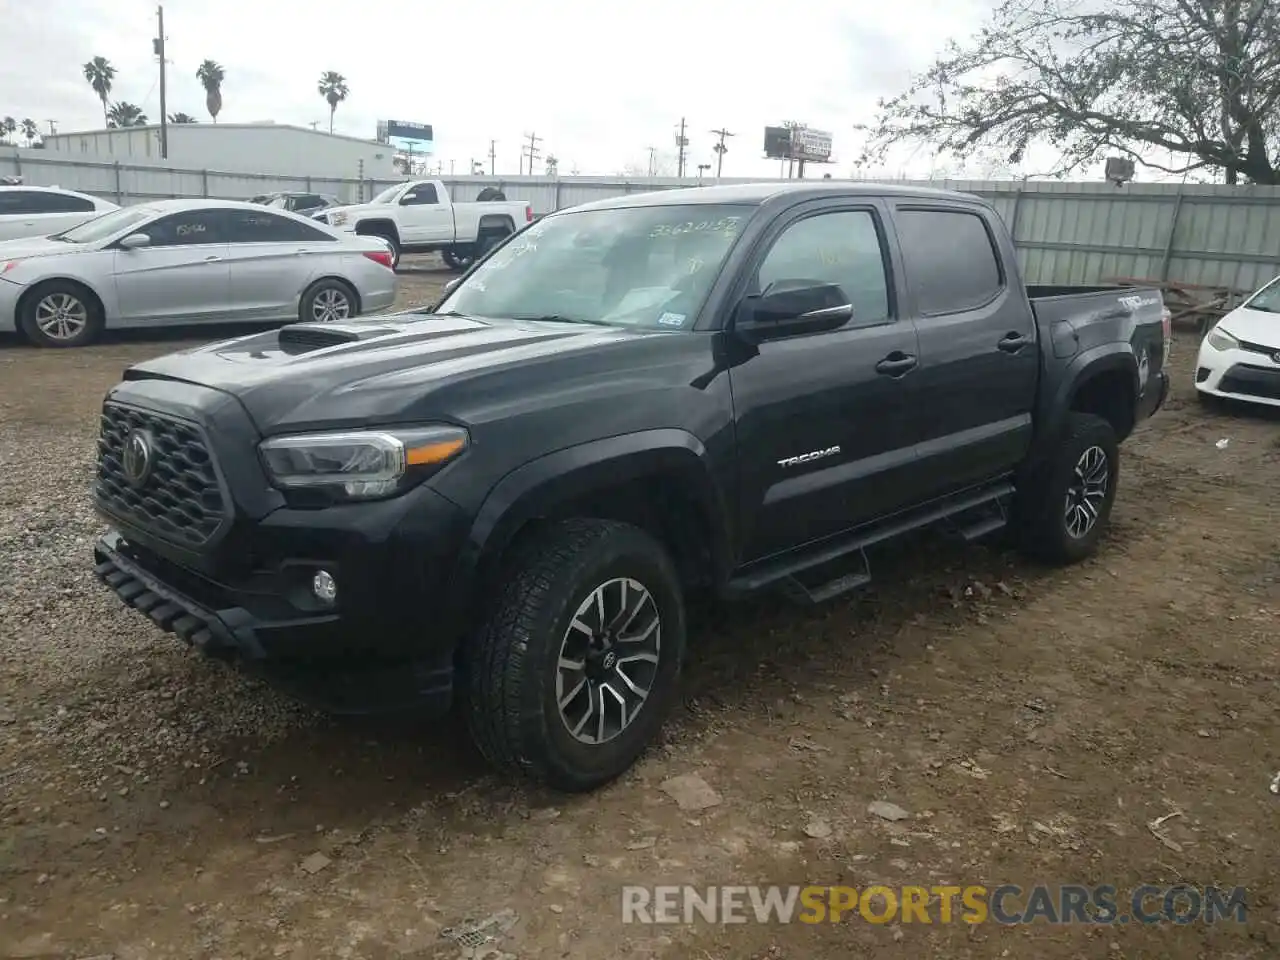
[546, 483]
[1102, 359]
[383, 222]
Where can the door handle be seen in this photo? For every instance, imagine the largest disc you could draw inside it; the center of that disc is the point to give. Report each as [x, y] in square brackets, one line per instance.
[212, 258]
[1013, 342]
[896, 364]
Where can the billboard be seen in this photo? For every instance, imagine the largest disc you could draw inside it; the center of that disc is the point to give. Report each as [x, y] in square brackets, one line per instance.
[390, 131]
[797, 143]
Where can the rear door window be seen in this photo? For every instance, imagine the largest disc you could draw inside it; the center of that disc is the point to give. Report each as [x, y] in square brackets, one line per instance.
[951, 260]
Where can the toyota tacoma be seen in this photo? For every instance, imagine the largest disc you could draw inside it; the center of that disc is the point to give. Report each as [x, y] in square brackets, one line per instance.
[504, 500]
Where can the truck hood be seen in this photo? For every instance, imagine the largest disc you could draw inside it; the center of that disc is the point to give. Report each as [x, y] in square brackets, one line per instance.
[403, 368]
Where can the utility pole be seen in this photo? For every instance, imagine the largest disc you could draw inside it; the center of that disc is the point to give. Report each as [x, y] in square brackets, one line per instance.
[653, 161]
[533, 151]
[720, 149]
[53, 127]
[681, 143]
[164, 116]
[493, 155]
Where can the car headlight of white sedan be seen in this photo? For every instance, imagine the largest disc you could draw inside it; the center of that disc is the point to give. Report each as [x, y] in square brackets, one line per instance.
[1219, 339]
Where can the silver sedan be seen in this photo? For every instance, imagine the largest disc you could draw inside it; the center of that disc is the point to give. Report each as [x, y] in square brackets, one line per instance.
[188, 262]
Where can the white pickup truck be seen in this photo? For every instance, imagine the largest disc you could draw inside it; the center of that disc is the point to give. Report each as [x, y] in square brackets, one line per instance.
[418, 216]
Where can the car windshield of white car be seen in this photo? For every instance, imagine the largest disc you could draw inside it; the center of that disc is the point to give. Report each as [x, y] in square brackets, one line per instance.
[647, 267]
[1266, 300]
[99, 228]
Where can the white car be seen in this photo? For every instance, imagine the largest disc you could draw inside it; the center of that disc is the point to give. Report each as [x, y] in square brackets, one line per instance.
[188, 261]
[1240, 357]
[40, 211]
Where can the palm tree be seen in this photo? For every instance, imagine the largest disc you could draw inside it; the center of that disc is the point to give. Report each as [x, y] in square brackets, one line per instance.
[29, 130]
[211, 74]
[125, 114]
[99, 72]
[333, 87]
[181, 118]
[553, 165]
[7, 126]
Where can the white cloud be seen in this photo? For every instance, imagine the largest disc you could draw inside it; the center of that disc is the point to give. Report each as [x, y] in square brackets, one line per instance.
[599, 82]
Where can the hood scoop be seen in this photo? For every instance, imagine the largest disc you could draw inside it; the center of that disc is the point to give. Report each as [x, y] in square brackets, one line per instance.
[301, 337]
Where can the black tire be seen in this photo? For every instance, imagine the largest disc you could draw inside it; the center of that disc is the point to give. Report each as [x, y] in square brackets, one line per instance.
[82, 320]
[328, 293]
[490, 193]
[1051, 528]
[450, 259]
[513, 663]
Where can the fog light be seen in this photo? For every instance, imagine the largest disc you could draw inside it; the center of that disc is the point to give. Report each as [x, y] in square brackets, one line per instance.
[324, 586]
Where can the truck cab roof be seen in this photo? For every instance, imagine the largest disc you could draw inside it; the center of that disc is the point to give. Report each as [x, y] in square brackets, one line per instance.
[763, 192]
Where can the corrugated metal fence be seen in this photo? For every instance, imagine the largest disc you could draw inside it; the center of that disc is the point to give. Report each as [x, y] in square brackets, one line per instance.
[1065, 232]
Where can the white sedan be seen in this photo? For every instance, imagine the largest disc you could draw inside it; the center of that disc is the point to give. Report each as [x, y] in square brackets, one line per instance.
[40, 211]
[187, 262]
[1240, 357]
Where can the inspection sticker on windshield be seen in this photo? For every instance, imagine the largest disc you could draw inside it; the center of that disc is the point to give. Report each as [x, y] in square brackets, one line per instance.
[671, 320]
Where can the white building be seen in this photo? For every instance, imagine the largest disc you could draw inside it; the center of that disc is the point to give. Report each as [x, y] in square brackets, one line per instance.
[267, 148]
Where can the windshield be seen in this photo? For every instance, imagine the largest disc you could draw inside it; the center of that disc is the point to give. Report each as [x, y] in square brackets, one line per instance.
[636, 266]
[99, 228]
[1267, 299]
[386, 195]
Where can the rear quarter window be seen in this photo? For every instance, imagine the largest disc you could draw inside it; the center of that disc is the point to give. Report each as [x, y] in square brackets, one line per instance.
[951, 260]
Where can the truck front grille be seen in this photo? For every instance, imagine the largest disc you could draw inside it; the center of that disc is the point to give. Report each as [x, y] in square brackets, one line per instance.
[176, 493]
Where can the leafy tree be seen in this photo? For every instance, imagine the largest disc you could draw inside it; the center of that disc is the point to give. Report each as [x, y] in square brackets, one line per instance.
[1177, 85]
[333, 87]
[181, 118]
[29, 130]
[99, 72]
[124, 114]
[7, 127]
[211, 74]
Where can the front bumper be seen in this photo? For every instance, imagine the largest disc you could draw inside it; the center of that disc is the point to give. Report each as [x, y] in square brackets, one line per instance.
[237, 583]
[1235, 374]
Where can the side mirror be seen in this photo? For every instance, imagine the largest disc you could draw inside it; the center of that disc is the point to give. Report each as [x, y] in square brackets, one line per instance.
[135, 241]
[791, 308]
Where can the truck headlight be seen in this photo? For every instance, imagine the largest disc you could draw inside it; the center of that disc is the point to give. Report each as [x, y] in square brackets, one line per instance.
[360, 465]
[1221, 340]
[337, 219]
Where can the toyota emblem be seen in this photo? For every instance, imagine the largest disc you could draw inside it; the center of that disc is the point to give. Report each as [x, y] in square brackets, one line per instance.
[137, 458]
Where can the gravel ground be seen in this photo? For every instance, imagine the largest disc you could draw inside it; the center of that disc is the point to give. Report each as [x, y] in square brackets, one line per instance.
[1031, 723]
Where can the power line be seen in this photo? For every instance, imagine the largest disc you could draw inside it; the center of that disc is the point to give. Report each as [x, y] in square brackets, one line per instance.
[720, 149]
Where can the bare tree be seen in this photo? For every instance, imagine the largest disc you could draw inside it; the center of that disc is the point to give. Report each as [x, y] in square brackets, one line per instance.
[1178, 85]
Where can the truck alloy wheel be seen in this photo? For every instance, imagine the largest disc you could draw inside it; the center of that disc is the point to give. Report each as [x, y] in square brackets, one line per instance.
[608, 660]
[1087, 492]
[573, 671]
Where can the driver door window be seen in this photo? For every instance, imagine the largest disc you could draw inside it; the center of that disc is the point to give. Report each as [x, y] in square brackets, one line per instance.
[842, 248]
[421, 195]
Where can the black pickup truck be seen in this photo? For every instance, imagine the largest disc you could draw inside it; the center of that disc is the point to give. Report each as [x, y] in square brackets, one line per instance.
[506, 499]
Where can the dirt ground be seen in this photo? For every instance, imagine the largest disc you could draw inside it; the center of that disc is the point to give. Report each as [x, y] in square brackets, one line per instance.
[1032, 722]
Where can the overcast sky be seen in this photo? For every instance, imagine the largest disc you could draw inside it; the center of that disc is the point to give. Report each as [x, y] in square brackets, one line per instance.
[598, 81]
